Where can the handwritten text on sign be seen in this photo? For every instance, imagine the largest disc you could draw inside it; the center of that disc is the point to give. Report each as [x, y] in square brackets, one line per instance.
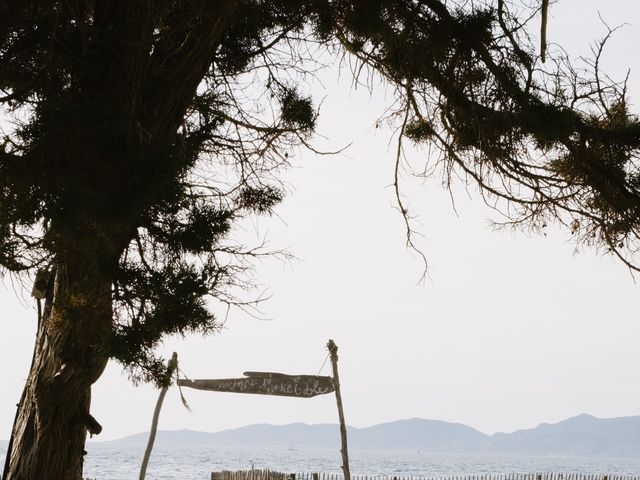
[266, 383]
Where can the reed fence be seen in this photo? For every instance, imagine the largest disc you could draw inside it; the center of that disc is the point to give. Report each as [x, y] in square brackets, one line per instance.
[274, 475]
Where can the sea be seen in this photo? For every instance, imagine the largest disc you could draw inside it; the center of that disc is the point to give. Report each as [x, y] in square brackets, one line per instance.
[110, 461]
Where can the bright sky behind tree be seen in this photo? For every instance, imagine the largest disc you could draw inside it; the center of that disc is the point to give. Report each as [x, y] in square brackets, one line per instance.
[509, 331]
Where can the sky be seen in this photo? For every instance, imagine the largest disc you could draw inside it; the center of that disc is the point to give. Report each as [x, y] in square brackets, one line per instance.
[509, 331]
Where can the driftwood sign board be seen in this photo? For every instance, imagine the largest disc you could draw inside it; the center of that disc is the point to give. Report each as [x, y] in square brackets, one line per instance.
[267, 383]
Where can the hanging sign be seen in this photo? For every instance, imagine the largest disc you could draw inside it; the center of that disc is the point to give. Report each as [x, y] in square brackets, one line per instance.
[267, 383]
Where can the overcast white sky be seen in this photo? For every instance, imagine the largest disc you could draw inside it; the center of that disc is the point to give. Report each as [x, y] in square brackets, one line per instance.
[511, 331]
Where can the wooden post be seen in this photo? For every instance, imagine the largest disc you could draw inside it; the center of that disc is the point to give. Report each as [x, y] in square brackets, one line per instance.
[173, 363]
[333, 352]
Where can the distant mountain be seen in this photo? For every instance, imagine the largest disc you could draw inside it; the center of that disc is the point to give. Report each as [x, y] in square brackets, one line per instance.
[583, 435]
[414, 434]
[298, 435]
[418, 434]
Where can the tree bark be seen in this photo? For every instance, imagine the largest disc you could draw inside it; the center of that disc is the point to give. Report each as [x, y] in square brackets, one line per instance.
[48, 436]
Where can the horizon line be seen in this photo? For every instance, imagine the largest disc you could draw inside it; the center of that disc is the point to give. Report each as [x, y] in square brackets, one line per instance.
[97, 440]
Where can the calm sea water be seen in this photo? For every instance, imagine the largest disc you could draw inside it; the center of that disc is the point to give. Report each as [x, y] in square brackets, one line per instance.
[118, 462]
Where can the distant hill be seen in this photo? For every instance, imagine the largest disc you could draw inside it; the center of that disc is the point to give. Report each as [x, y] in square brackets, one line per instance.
[299, 435]
[583, 435]
[414, 434]
[417, 434]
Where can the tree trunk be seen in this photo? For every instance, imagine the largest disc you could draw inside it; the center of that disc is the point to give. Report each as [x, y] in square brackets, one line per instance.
[48, 436]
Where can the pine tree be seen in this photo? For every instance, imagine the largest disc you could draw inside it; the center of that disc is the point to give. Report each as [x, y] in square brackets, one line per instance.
[142, 130]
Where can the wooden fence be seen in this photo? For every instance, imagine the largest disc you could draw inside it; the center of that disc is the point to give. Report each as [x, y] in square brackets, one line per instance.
[252, 475]
[272, 475]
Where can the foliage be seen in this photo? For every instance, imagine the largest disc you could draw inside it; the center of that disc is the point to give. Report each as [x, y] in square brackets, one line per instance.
[144, 130]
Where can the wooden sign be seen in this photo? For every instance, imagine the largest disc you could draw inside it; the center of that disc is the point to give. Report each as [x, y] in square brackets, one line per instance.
[267, 383]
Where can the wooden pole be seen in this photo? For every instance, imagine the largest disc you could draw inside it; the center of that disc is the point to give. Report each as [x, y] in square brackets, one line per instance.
[333, 352]
[543, 30]
[173, 363]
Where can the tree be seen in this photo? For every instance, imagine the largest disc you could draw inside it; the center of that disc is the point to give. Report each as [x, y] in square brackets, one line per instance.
[142, 130]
